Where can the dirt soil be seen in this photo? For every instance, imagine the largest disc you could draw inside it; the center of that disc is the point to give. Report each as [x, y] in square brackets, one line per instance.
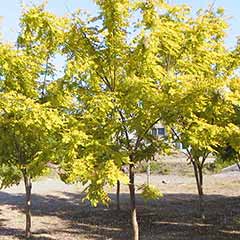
[58, 212]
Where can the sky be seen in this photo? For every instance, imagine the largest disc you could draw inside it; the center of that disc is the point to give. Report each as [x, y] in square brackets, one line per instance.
[10, 10]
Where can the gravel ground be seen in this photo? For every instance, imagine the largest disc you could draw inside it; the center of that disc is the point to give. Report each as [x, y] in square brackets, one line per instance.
[58, 212]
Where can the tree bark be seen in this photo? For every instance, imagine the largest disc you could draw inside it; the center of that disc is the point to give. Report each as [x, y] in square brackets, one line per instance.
[133, 204]
[201, 195]
[118, 195]
[28, 189]
[148, 171]
[199, 180]
[238, 164]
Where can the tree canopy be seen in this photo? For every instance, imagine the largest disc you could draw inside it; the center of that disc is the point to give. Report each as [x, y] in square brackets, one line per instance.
[133, 65]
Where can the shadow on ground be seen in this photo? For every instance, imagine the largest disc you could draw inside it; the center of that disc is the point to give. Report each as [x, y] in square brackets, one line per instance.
[173, 217]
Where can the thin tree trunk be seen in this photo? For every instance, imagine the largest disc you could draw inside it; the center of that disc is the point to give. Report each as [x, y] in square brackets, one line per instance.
[199, 180]
[28, 188]
[201, 195]
[118, 195]
[148, 171]
[238, 164]
[133, 204]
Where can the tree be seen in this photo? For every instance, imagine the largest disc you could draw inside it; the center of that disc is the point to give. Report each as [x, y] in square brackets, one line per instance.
[196, 110]
[29, 125]
[116, 76]
[123, 75]
[27, 131]
[228, 150]
[202, 132]
[43, 34]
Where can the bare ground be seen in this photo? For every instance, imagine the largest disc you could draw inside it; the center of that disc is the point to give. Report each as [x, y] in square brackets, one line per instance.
[58, 212]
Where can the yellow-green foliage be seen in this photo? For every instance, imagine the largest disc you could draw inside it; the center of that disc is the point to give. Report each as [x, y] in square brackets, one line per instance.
[150, 192]
[27, 136]
[122, 75]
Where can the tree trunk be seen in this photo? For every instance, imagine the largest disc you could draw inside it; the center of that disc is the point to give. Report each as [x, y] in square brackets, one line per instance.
[201, 195]
[118, 195]
[199, 180]
[133, 203]
[238, 164]
[28, 188]
[148, 171]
